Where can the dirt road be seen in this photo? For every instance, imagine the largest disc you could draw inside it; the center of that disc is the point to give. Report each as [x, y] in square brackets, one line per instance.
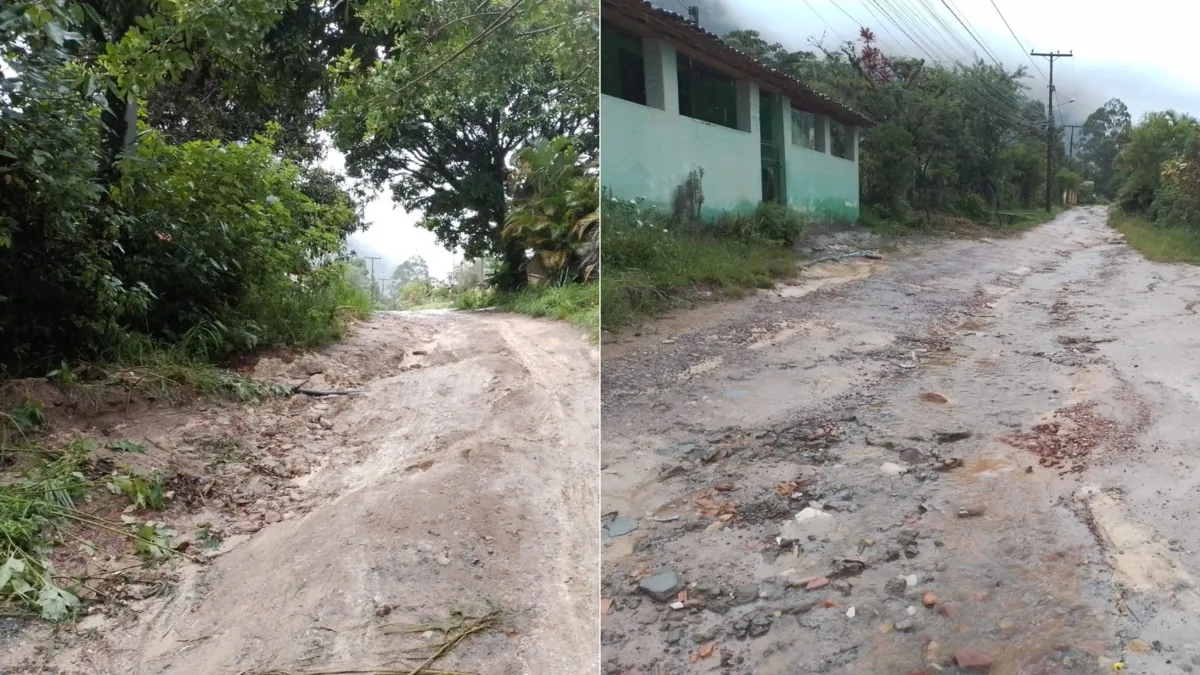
[465, 474]
[974, 452]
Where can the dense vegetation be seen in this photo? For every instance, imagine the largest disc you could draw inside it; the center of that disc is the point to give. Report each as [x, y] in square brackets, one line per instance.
[966, 139]
[160, 161]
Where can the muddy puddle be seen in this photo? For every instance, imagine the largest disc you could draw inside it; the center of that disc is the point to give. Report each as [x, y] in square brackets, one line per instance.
[971, 459]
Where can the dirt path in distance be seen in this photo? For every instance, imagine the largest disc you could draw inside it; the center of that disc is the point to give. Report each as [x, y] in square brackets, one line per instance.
[463, 476]
[972, 456]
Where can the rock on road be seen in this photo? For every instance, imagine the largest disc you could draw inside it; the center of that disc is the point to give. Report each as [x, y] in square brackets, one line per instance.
[972, 456]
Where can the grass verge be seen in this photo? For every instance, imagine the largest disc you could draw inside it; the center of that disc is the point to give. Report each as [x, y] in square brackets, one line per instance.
[1011, 222]
[648, 272]
[578, 304]
[1156, 243]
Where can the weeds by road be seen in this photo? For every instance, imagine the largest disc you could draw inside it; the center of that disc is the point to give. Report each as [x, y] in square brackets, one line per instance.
[653, 262]
[578, 304]
[1155, 242]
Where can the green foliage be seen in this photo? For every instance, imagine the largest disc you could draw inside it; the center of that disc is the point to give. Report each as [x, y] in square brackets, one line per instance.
[29, 507]
[972, 206]
[1105, 131]
[575, 303]
[778, 223]
[144, 492]
[944, 134]
[1155, 242]
[554, 210]
[652, 263]
[1158, 138]
[439, 120]
[215, 246]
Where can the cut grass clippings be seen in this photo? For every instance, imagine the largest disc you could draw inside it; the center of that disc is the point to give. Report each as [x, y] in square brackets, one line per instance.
[1157, 244]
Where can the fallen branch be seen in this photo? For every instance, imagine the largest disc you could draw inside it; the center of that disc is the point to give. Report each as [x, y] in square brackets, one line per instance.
[329, 392]
[871, 255]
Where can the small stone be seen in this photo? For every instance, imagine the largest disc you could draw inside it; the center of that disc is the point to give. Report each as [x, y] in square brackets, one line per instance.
[951, 436]
[972, 658]
[91, 622]
[910, 581]
[674, 636]
[809, 513]
[745, 594]
[904, 625]
[931, 651]
[819, 582]
[621, 526]
[272, 516]
[929, 599]
[850, 612]
[911, 456]
[910, 610]
[970, 512]
[886, 627]
[892, 469]
[1007, 626]
[247, 527]
[662, 585]
[1139, 646]
[896, 586]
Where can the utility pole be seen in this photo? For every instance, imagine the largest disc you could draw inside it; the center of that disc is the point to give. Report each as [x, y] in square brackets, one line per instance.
[1050, 119]
[1071, 147]
[374, 295]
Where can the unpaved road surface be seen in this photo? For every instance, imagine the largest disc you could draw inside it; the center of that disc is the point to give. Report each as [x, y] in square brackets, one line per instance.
[465, 474]
[995, 442]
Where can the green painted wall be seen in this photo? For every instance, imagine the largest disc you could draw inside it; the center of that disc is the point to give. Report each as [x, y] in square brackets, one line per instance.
[821, 185]
[646, 153]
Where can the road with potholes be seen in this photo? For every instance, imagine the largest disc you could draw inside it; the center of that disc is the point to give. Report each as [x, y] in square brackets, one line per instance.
[970, 456]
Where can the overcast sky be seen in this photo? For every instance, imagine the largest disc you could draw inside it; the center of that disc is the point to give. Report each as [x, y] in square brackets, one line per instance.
[393, 234]
[1138, 52]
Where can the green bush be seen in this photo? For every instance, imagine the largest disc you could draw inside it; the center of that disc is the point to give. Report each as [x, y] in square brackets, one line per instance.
[779, 223]
[972, 206]
[651, 264]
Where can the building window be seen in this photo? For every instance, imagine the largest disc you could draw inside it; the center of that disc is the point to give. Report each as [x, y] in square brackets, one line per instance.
[622, 65]
[838, 140]
[705, 94]
[804, 129]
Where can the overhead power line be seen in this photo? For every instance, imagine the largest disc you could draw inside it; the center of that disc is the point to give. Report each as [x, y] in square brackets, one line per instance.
[1014, 35]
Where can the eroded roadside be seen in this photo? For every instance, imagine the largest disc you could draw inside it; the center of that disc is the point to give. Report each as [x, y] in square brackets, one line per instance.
[462, 479]
[970, 456]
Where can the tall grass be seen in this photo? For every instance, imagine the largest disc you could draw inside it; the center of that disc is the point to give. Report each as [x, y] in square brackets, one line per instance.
[574, 303]
[1156, 242]
[652, 264]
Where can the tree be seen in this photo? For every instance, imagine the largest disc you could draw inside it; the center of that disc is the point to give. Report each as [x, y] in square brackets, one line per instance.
[415, 269]
[1104, 132]
[1159, 137]
[440, 124]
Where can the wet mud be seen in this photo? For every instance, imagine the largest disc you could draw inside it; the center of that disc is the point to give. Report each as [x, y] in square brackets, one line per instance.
[970, 456]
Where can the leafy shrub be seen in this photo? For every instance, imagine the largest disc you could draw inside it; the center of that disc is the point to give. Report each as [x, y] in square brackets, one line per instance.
[554, 209]
[972, 206]
[779, 223]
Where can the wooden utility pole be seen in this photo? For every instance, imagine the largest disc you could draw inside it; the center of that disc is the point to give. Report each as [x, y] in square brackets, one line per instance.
[1050, 120]
[372, 258]
[1071, 147]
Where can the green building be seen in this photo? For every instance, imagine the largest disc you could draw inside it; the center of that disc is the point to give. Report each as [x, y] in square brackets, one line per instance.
[676, 100]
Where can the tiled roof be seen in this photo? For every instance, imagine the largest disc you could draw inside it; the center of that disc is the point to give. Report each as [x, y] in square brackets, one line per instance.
[679, 29]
